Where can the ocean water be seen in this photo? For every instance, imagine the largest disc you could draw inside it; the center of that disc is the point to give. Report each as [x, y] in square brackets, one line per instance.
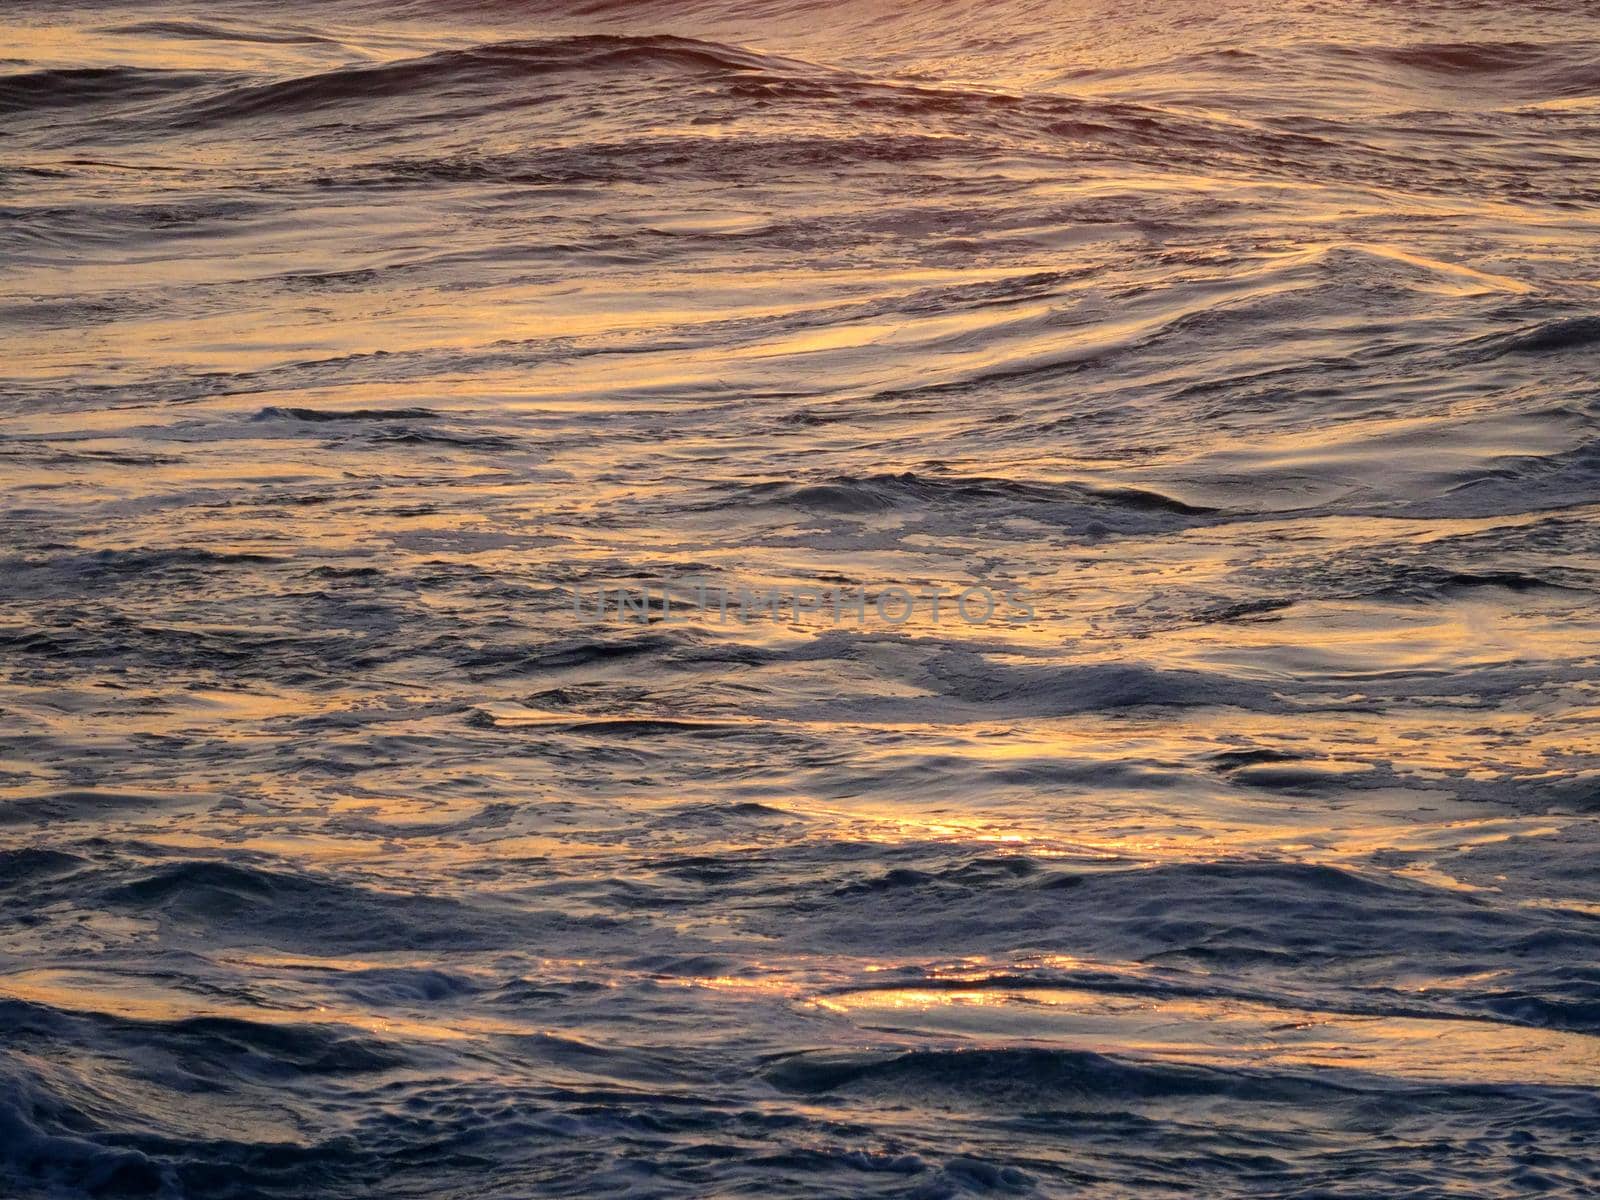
[1243, 354]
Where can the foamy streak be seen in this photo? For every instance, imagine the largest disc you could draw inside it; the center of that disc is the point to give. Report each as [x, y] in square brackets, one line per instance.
[891, 604]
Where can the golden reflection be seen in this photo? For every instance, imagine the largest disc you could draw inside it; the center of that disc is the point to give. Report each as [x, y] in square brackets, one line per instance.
[137, 998]
[1230, 1032]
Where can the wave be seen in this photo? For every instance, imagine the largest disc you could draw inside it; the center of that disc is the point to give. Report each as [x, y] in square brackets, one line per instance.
[1277, 923]
[1455, 58]
[74, 1089]
[1047, 1080]
[320, 416]
[74, 87]
[971, 678]
[83, 805]
[488, 69]
[49, 1146]
[941, 504]
[142, 561]
[23, 867]
[878, 493]
[1535, 70]
[1554, 336]
[208, 31]
[1032, 1078]
[492, 71]
[1523, 484]
[303, 911]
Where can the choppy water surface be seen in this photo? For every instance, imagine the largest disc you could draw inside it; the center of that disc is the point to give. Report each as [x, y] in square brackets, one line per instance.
[1255, 342]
